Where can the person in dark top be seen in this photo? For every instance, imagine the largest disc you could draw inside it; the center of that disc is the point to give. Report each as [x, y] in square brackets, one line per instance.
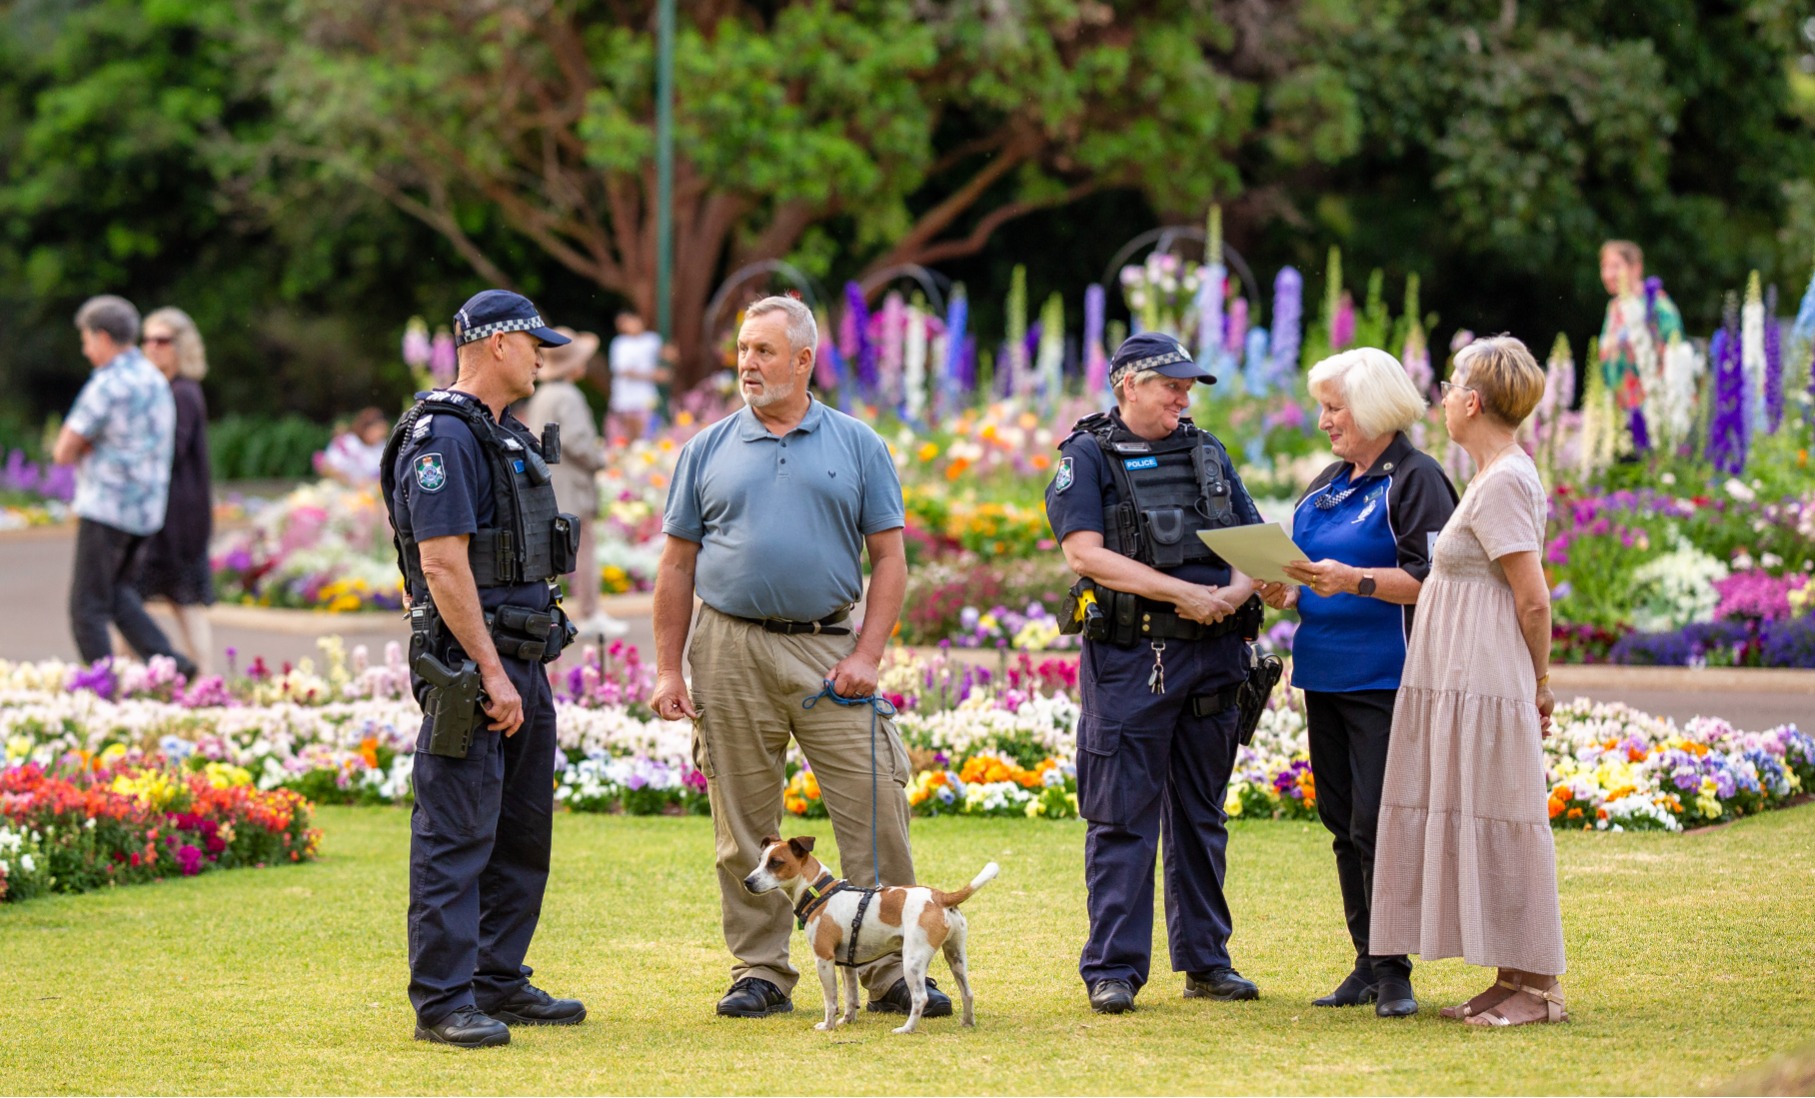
[173, 565]
[1163, 657]
[482, 545]
[1367, 522]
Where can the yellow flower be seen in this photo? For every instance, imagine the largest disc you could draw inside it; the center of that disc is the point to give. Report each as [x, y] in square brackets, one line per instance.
[1036, 807]
[1232, 804]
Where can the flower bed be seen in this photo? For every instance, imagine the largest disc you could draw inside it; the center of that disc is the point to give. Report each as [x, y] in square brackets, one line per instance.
[106, 821]
[984, 741]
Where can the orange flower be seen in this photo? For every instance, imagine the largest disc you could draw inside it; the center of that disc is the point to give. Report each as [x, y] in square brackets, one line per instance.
[368, 750]
[1575, 813]
[1556, 807]
[1042, 462]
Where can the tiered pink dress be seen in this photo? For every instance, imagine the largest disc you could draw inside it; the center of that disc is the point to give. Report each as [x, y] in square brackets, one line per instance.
[1465, 866]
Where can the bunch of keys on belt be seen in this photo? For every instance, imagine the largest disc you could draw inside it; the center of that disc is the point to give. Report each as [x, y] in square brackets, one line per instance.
[1156, 682]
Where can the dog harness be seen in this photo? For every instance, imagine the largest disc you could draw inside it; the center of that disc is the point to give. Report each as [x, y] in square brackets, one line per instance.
[824, 889]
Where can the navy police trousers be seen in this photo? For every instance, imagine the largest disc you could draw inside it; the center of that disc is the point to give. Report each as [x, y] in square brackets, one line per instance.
[1149, 768]
[479, 846]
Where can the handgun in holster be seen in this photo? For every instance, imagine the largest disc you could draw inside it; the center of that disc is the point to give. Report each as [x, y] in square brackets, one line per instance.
[451, 703]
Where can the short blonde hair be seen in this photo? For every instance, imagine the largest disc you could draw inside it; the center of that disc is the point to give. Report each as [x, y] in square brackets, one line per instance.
[1503, 373]
[191, 356]
[1382, 399]
[1134, 377]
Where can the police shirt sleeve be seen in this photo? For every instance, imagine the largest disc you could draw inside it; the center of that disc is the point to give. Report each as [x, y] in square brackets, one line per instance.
[882, 506]
[1423, 499]
[681, 515]
[1246, 513]
[1075, 497]
[442, 476]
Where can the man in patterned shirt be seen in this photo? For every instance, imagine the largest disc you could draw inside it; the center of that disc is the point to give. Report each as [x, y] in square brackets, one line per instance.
[120, 436]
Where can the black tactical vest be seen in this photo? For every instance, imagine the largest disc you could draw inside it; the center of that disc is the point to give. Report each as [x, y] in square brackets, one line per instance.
[530, 539]
[1169, 490]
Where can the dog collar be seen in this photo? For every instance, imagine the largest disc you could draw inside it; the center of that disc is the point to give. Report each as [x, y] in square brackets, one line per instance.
[817, 894]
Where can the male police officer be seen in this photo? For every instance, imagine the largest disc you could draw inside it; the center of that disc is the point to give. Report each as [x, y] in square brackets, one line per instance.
[480, 543]
[1163, 659]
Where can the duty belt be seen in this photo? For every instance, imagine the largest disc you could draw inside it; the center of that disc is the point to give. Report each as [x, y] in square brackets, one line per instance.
[827, 625]
[1157, 623]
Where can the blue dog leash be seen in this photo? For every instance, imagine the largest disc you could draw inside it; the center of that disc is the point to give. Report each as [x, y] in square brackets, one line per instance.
[879, 707]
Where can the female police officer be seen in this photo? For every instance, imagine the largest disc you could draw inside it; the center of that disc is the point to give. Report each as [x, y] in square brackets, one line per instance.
[1163, 658]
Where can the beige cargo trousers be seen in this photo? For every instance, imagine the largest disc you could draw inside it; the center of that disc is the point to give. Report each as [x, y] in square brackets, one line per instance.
[749, 684]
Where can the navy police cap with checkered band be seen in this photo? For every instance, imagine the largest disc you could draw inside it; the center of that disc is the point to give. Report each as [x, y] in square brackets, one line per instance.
[1157, 352]
[492, 311]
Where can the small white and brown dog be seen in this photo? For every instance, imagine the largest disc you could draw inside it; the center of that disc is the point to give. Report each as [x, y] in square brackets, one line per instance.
[849, 925]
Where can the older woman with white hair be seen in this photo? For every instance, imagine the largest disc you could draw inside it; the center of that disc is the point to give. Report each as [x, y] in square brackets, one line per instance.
[1368, 523]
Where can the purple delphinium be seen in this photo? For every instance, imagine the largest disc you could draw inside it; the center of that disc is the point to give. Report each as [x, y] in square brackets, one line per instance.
[957, 316]
[1288, 315]
[854, 337]
[1096, 360]
[1773, 364]
[1727, 425]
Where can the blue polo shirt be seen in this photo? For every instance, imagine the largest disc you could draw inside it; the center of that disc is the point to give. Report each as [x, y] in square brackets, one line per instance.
[1388, 517]
[780, 520]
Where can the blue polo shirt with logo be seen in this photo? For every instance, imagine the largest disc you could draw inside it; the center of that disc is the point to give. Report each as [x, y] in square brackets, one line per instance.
[781, 519]
[1388, 517]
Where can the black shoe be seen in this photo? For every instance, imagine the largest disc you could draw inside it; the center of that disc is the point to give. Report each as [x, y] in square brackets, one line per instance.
[1220, 983]
[1356, 989]
[1395, 997]
[466, 1028]
[531, 1006]
[1111, 996]
[752, 997]
[900, 1000]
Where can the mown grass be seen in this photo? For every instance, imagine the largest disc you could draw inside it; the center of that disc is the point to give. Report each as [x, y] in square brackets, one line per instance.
[1691, 963]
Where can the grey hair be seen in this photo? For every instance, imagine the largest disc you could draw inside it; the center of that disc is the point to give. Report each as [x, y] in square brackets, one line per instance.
[111, 315]
[191, 356]
[803, 330]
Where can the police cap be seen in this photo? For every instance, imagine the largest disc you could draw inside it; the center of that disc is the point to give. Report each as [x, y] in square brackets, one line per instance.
[1158, 352]
[489, 312]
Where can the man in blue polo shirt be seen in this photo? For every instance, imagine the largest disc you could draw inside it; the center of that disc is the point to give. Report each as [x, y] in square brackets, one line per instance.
[768, 518]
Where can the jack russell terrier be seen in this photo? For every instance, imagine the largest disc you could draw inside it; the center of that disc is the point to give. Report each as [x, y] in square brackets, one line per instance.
[850, 926]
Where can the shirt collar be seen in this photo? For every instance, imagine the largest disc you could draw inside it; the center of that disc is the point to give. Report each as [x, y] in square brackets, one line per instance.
[751, 429]
[125, 357]
[1392, 457]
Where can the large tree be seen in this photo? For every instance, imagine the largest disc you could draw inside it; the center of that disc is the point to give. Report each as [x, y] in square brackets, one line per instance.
[893, 131]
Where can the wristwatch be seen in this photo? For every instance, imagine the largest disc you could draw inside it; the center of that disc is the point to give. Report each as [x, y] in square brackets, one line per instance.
[1365, 588]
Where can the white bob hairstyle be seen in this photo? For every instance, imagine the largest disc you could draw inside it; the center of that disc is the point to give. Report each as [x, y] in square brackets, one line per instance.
[1381, 398]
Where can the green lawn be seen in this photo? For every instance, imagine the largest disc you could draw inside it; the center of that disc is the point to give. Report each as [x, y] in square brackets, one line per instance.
[1691, 962]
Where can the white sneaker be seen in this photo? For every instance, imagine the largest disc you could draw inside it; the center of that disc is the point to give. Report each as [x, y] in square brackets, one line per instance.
[603, 626]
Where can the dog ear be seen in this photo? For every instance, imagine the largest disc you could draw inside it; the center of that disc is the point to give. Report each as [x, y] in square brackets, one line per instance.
[768, 841]
[801, 845]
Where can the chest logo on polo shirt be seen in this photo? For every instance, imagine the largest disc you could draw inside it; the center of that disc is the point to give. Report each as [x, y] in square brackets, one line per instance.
[1063, 479]
[1373, 501]
[431, 472]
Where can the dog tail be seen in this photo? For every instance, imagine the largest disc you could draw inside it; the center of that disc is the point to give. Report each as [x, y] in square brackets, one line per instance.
[953, 899]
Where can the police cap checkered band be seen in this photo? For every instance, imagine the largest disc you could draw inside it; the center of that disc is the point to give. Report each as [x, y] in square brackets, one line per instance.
[529, 323]
[1157, 352]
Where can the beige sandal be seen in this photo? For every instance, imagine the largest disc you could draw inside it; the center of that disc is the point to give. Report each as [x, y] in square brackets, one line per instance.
[1552, 997]
[1465, 1011]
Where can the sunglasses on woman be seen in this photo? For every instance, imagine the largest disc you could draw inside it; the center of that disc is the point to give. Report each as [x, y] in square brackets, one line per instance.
[159, 341]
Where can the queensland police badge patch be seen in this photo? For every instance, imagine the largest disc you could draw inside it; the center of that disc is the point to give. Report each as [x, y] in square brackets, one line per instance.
[431, 473]
[1063, 480]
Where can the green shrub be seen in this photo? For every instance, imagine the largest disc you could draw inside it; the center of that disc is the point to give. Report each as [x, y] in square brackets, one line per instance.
[265, 447]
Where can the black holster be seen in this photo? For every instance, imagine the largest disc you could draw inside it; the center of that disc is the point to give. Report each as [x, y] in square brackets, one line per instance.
[451, 704]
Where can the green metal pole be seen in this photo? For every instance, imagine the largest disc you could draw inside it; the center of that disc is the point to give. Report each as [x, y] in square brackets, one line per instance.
[664, 167]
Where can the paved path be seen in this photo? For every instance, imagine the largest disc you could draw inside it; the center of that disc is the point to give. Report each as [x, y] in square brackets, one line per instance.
[34, 624]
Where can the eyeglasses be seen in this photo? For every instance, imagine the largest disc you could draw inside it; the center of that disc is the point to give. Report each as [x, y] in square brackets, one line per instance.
[159, 341]
[1445, 388]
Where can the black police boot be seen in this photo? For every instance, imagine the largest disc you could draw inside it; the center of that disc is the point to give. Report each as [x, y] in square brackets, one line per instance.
[466, 1028]
[1111, 996]
[900, 1000]
[531, 1006]
[1393, 984]
[751, 997]
[1220, 983]
[1356, 989]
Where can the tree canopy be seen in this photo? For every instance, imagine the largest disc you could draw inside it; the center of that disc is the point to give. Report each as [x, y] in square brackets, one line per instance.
[303, 174]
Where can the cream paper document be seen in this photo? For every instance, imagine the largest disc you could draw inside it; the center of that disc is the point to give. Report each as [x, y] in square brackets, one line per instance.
[1258, 552]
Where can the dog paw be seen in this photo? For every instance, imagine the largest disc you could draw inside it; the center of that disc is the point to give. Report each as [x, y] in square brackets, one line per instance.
[905, 1029]
[825, 1027]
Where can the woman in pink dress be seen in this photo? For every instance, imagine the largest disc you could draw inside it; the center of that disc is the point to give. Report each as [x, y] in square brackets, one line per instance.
[1465, 865]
